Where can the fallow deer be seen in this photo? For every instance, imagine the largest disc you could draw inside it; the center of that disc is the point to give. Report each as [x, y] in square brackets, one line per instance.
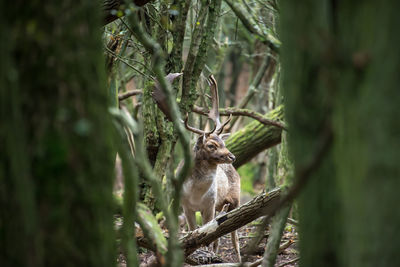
[213, 182]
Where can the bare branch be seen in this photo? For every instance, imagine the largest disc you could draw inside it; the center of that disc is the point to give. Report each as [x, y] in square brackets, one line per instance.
[128, 94]
[241, 112]
[289, 262]
[267, 37]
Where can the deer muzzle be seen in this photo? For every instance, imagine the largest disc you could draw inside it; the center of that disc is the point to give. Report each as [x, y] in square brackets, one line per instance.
[231, 158]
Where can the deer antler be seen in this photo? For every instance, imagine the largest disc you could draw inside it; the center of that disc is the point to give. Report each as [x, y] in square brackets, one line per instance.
[213, 114]
[195, 130]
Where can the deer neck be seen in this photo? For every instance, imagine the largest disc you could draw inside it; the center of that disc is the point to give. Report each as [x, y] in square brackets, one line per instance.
[204, 170]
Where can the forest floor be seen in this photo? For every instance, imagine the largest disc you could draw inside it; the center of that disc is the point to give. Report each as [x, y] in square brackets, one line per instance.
[288, 253]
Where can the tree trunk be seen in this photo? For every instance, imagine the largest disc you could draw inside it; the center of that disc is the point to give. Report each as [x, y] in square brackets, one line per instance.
[255, 138]
[341, 73]
[56, 160]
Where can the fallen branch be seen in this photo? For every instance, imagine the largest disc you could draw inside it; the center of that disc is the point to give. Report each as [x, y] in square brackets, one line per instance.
[285, 245]
[259, 206]
[289, 262]
[261, 249]
[243, 264]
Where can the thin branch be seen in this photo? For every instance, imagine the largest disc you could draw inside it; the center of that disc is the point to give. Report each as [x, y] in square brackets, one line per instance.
[242, 264]
[285, 245]
[125, 62]
[128, 94]
[289, 262]
[241, 112]
[268, 63]
[266, 37]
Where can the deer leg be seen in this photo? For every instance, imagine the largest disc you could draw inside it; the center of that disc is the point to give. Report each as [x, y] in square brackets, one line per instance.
[207, 215]
[190, 218]
[235, 242]
[216, 246]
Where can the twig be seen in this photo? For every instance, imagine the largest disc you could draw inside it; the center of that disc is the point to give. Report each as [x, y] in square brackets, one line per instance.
[289, 262]
[241, 112]
[294, 222]
[128, 94]
[243, 264]
[268, 63]
[126, 63]
[256, 263]
[285, 246]
[268, 38]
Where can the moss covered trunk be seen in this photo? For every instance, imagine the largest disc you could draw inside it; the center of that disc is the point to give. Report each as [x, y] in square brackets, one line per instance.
[56, 164]
[255, 138]
[341, 73]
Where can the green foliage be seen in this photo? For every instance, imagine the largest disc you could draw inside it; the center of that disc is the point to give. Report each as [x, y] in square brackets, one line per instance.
[149, 224]
[247, 174]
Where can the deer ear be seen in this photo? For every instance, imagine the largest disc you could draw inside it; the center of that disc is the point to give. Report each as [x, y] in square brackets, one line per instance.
[200, 142]
[224, 136]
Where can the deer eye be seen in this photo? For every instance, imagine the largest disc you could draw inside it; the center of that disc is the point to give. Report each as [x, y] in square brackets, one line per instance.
[211, 146]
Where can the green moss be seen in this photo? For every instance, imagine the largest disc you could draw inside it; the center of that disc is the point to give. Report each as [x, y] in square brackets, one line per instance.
[153, 230]
[247, 175]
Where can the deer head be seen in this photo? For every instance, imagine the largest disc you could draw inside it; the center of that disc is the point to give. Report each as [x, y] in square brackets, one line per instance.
[210, 145]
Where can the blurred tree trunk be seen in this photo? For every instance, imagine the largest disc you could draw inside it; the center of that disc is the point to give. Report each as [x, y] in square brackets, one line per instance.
[341, 72]
[56, 160]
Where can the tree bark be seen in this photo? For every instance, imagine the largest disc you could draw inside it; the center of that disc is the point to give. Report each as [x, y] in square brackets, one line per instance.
[255, 138]
[341, 72]
[56, 160]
